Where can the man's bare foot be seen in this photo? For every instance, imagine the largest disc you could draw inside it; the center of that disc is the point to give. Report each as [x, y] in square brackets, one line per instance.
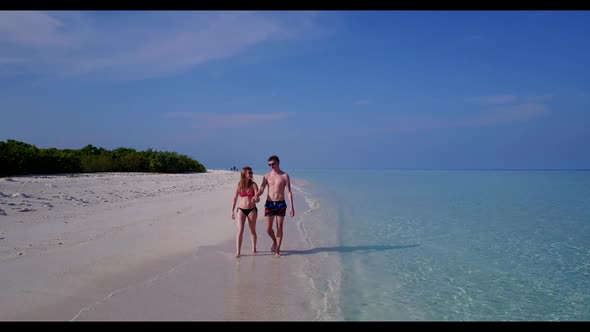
[237, 255]
[277, 253]
[254, 251]
[273, 248]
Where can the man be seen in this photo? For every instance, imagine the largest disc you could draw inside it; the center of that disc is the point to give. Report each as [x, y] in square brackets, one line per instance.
[275, 205]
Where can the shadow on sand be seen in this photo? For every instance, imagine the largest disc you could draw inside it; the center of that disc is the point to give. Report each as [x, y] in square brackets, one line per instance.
[345, 249]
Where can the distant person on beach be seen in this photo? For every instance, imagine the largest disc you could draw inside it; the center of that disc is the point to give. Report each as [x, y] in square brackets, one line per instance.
[247, 190]
[275, 205]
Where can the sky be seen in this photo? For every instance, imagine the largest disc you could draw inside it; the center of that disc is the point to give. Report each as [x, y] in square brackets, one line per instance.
[320, 89]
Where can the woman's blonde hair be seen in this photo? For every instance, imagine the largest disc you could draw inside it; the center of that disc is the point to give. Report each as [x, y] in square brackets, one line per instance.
[244, 183]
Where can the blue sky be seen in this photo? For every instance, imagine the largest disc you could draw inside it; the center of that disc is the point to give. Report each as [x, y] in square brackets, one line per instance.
[333, 89]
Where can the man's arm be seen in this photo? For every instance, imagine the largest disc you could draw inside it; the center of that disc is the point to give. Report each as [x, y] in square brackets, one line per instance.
[262, 186]
[256, 198]
[290, 195]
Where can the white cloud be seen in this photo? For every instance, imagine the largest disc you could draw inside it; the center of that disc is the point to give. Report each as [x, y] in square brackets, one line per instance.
[540, 99]
[138, 45]
[499, 116]
[31, 29]
[495, 99]
[506, 115]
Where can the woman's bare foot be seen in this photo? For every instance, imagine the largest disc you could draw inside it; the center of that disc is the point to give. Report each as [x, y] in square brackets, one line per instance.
[253, 251]
[237, 255]
[273, 247]
[277, 253]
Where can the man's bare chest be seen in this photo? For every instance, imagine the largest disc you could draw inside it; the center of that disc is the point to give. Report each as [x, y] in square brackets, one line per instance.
[277, 181]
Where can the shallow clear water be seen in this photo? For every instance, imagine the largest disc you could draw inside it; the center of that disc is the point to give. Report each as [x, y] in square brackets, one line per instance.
[447, 245]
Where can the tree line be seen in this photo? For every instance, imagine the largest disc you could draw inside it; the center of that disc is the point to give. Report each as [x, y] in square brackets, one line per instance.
[19, 158]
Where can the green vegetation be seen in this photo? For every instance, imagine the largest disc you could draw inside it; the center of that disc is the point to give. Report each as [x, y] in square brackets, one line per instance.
[18, 158]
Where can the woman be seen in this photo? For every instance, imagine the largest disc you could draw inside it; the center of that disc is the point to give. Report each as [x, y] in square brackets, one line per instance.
[247, 190]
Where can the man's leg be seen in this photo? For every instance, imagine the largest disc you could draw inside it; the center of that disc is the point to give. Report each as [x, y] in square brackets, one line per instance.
[279, 236]
[271, 232]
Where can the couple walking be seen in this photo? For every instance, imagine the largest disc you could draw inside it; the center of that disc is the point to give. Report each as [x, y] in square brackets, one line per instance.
[275, 207]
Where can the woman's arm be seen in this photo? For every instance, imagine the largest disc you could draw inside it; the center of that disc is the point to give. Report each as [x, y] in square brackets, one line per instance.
[233, 206]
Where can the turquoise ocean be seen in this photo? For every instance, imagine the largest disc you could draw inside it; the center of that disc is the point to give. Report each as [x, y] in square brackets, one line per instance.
[444, 245]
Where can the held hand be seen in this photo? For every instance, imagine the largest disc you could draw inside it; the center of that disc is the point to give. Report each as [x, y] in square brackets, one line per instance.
[256, 199]
[292, 213]
[233, 215]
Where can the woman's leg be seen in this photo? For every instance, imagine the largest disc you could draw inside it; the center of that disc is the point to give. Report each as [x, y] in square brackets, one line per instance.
[252, 224]
[240, 224]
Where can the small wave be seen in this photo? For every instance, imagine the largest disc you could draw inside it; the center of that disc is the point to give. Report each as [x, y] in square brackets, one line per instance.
[312, 204]
[21, 195]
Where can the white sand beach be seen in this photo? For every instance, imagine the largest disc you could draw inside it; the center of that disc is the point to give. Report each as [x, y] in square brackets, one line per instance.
[132, 246]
